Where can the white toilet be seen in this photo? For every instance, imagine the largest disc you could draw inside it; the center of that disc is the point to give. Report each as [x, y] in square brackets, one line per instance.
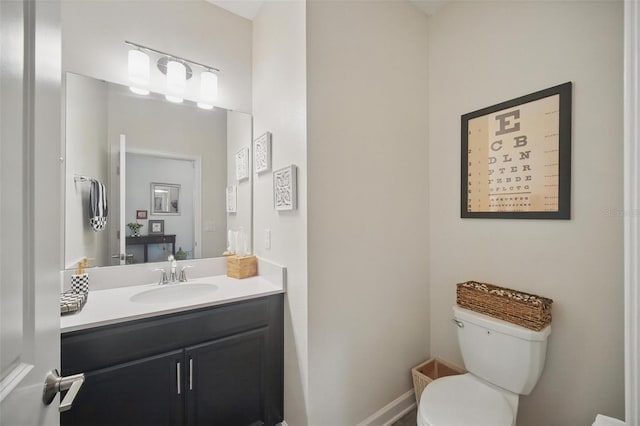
[503, 361]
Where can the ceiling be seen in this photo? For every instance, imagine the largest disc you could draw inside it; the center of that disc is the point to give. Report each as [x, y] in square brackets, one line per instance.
[249, 8]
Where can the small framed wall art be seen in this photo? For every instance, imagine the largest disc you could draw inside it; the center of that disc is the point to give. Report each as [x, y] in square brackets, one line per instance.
[242, 163]
[262, 153]
[516, 158]
[284, 188]
[141, 214]
[156, 227]
[165, 199]
[232, 203]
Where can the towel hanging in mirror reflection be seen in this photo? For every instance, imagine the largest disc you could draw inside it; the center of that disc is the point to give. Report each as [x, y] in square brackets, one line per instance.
[98, 210]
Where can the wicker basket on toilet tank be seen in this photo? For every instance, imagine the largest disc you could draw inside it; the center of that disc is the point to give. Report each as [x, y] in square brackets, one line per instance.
[527, 310]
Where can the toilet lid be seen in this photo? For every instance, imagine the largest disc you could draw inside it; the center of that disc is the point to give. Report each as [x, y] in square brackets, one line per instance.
[464, 401]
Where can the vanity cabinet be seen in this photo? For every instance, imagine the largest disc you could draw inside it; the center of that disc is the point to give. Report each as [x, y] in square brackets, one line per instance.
[226, 387]
[215, 366]
[141, 392]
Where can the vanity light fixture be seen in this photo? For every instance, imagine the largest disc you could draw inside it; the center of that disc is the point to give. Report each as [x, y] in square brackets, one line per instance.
[138, 70]
[177, 69]
[208, 89]
[176, 81]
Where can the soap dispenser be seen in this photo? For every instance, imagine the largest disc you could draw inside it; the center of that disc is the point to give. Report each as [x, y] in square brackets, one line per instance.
[80, 280]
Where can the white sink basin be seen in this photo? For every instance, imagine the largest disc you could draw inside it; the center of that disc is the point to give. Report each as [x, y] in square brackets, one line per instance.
[174, 292]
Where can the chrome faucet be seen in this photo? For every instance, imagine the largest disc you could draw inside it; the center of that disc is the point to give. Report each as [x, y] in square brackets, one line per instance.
[173, 265]
[183, 275]
[173, 275]
[163, 277]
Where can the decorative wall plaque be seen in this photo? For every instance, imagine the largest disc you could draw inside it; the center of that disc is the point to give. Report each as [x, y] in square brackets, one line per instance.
[232, 199]
[262, 153]
[284, 188]
[242, 163]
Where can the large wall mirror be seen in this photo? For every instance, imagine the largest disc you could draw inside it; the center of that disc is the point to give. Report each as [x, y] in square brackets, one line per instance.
[164, 168]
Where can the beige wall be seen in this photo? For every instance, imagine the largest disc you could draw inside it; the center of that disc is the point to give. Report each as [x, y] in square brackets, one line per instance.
[368, 216]
[93, 35]
[279, 106]
[482, 53]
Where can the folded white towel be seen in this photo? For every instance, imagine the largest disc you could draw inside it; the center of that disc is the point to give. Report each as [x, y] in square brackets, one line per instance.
[607, 421]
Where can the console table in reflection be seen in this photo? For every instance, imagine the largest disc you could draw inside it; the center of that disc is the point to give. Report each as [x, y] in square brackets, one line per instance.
[146, 240]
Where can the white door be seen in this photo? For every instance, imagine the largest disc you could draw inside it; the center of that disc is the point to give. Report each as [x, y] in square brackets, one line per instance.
[122, 167]
[30, 192]
[117, 197]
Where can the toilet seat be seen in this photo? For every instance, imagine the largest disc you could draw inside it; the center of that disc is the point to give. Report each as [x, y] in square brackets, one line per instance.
[464, 400]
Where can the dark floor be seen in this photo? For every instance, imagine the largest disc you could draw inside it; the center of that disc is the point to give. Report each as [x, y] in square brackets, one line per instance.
[409, 419]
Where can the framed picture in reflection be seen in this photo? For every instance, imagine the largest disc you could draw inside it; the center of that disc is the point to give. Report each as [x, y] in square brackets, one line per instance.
[156, 227]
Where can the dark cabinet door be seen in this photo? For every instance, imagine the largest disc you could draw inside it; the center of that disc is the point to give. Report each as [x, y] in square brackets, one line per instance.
[149, 391]
[226, 380]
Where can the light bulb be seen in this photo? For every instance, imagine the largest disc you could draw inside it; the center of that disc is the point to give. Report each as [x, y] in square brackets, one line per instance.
[176, 80]
[174, 99]
[138, 91]
[138, 67]
[204, 106]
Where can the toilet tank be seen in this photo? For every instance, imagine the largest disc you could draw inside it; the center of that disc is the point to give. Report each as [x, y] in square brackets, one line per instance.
[502, 353]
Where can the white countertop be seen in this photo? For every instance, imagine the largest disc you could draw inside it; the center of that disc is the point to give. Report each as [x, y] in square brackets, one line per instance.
[112, 306]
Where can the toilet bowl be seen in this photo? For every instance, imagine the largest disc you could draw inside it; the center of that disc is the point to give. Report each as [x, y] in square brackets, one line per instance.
[465, 400]
[503, 361]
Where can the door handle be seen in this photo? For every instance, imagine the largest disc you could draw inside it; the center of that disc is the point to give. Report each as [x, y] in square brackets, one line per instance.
[178, 376]
[53, 384]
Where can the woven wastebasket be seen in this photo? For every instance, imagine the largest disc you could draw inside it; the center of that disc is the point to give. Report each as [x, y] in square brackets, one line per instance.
[430, 370]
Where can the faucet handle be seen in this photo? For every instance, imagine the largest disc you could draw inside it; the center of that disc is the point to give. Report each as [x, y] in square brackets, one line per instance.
[183, 275]
[163, 277]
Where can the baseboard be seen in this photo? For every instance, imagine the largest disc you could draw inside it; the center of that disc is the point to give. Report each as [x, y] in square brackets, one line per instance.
[391, 412]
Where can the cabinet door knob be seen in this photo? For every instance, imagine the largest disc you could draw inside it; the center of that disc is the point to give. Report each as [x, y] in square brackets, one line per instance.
[53, 384]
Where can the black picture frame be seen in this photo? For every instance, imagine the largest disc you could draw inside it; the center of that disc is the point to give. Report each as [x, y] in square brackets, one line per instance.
[524, 169]
[156, 227]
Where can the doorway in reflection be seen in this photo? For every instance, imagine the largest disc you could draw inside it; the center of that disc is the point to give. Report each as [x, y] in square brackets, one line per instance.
[169, 184]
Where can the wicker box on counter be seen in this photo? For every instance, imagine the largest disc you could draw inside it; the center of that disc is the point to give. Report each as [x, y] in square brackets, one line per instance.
[242, 266]
[527, 310]
[430, 370]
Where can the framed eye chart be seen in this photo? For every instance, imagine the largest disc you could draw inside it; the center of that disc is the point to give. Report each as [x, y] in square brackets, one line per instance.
[516, 158]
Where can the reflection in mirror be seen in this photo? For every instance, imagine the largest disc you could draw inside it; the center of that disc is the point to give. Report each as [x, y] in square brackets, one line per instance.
[177, 161]
[165, 198]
